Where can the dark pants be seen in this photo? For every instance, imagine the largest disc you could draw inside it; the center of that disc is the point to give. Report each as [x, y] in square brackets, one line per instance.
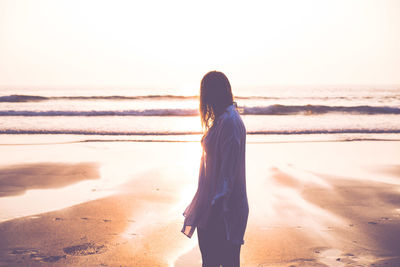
[215, 249]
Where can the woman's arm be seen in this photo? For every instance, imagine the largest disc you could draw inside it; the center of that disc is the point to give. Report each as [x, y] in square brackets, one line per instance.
[229, 150]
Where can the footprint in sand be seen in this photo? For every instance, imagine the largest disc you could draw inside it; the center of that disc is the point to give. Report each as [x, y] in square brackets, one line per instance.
[22, 251]
[43, 258]
[35, 255]
[335, 258]
[302, 262]
[85, 249]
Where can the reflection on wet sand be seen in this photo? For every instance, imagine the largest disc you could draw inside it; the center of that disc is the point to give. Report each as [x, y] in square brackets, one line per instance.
[16, 179]
[340, 221]
[140, 227]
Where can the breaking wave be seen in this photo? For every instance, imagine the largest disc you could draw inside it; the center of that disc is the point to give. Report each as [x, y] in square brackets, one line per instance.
[36, 98]
[263, 110]
[133, 133]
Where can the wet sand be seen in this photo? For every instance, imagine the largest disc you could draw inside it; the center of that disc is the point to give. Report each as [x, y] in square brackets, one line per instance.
[17, 179]
[311, 204]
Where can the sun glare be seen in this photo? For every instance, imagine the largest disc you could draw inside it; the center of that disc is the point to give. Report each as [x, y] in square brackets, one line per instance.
[125, 43]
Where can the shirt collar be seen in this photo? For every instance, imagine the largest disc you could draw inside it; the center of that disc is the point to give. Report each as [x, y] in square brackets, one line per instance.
[230, 108]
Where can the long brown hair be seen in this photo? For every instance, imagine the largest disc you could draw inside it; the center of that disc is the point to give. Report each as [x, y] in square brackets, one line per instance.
[215, 97]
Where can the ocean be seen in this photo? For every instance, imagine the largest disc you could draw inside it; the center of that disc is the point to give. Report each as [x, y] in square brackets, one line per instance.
[351, 113]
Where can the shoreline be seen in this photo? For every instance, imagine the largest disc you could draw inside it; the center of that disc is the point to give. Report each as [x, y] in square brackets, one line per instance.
[59, 139]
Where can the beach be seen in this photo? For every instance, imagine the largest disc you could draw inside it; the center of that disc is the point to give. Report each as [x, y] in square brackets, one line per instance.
[104, 106]
[119, 203]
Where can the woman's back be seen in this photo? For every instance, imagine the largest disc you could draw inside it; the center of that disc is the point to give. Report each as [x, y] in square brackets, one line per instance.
[223, 176]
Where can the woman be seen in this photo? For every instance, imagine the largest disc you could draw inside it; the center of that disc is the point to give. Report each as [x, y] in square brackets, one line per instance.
[219, 209]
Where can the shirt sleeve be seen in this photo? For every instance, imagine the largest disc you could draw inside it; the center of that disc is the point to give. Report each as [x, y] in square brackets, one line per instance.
[230, 146]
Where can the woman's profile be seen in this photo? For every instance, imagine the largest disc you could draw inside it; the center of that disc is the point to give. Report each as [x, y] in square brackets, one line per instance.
[219, 209]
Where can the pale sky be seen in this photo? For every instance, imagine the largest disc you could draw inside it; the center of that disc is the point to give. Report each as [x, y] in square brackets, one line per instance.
[171, 44]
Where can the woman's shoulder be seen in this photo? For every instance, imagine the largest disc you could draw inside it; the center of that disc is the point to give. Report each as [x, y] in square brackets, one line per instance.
[230, 120]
